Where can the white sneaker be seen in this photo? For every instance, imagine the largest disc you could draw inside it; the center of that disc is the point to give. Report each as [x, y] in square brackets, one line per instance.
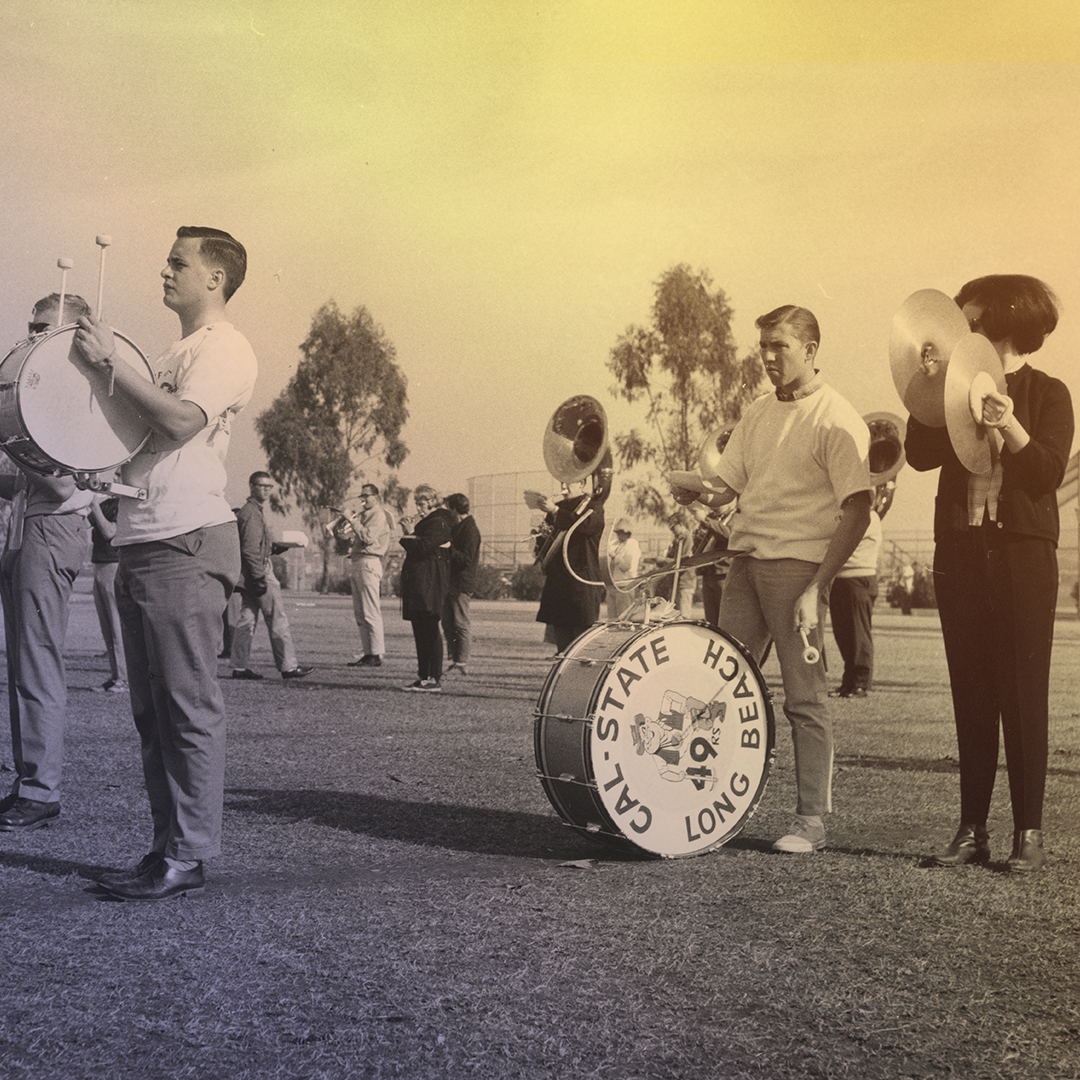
[807, 836]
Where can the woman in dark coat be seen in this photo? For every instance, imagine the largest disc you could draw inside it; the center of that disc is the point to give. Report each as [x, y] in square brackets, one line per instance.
[425, 578]
[566, 605]
[995, 569]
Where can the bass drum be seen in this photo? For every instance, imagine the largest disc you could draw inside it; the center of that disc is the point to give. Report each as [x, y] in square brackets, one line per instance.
[56, 414]
[659, 738]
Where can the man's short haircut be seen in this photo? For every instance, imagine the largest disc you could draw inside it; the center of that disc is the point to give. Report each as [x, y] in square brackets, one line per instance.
[801, 321]
[458, 503]
[74, 306]
[1016, 308]
[260, 476]
[220, 251]
[366, 489]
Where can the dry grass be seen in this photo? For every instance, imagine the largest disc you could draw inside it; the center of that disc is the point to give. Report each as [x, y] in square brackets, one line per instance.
[393, 902]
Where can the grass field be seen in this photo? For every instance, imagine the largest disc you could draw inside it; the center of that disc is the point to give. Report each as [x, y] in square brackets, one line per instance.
[398, 899]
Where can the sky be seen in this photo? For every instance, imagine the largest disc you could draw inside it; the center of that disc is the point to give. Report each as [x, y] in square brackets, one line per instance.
[501, 184]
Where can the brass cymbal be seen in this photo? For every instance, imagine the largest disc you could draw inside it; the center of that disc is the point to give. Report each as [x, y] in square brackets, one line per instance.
[974, 362]
[924, 333]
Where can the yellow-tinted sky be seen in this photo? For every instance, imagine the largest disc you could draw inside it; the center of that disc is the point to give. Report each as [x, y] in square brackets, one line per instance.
[501, 183]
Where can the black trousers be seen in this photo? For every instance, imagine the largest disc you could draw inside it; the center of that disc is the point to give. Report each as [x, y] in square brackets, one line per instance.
[996, 598]
[851, 608]
[429, 646]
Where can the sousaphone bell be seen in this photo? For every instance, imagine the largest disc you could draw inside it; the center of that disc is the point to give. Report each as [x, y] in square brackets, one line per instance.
[575, 449]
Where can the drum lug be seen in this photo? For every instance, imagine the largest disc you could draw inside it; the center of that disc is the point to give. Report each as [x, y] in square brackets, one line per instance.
[568, 778]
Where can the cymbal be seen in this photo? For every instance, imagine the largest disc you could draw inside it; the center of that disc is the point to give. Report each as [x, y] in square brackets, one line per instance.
[924, 333]
[974, 365]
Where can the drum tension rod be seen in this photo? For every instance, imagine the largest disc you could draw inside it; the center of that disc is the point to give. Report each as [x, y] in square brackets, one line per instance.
[569, 778]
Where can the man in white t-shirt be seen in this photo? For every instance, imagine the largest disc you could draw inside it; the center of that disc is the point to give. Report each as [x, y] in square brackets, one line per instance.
[180, 556]
[798, 462]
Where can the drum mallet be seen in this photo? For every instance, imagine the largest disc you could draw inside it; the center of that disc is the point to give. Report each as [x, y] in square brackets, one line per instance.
[65, 265]
[810, 654]
[102, 242]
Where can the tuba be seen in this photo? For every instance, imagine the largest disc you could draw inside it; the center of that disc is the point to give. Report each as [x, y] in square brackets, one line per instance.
[575, 449]
[886, 456]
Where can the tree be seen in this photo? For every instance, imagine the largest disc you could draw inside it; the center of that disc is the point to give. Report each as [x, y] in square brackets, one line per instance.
[341, 412]
[685, 366]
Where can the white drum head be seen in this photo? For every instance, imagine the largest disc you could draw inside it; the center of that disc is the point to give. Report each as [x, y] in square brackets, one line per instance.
[65, 405]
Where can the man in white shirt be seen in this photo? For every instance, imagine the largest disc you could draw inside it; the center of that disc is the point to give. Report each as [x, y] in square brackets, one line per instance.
[798, 461]
[180, 556]
[371, 542]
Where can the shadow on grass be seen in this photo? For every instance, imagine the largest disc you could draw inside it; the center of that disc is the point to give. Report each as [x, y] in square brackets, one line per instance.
[928, 765]
[438, 825]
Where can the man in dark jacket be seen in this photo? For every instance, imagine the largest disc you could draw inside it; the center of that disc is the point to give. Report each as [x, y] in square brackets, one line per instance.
[260, 589]
[464, 559]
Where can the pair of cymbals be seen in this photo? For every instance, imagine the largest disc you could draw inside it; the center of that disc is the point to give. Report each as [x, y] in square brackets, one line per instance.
[935, 359]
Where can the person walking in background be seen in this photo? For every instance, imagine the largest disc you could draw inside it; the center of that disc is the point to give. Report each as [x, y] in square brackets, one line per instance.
[47, 543]
[180, 555]
[106, 559]
[798, 461]
[995, 569]
[568, 606]
[370, 543]
[624, 558]
[425, 579]
[464, 560]
[260, 589]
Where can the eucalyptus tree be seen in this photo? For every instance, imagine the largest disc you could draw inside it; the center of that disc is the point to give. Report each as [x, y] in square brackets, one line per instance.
[685, 369]
[339, 418]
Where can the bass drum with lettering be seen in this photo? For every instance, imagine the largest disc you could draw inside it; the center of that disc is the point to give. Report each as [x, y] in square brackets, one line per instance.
[656, 737]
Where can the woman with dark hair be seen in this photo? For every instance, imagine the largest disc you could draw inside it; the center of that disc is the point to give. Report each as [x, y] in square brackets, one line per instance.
[995, 569]
[425, 578]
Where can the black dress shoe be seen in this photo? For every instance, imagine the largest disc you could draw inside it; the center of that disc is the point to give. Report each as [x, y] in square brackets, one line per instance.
[109, 878]
[1027, 853]
[160, 882]
[26, 814]
[970, 845]
[297, 672]
[245, 673]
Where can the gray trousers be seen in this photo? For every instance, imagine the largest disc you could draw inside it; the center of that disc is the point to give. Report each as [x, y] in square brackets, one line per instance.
[759, 606]
[272, 607]
[172, 594]
[35, 583]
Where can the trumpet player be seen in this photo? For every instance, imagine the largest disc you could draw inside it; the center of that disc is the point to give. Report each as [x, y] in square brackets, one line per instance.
[798, 462]
[370, 543]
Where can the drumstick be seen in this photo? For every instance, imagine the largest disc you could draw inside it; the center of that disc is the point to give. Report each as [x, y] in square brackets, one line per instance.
[810, 654]
[65, 265]
[102, 242]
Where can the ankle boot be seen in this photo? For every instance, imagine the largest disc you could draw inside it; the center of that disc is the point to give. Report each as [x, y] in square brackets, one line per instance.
[970, 845]
[1027, 853]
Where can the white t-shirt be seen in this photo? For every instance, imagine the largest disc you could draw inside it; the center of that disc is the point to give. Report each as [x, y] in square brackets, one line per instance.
[864, 559]
[215, 368]
[793, 463]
